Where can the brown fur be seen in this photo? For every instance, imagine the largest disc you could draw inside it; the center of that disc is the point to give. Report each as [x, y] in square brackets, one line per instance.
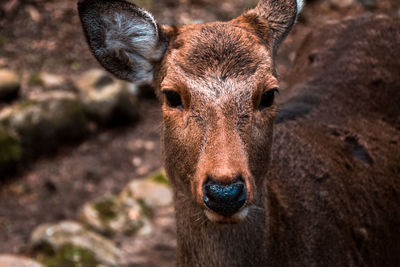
[330, 194]
[333, 188]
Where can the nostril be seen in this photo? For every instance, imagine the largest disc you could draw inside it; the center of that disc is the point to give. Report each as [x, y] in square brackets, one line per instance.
[225, 199]
[224, 192]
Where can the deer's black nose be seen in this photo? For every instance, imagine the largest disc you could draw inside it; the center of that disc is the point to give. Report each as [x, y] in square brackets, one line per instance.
[224, 199]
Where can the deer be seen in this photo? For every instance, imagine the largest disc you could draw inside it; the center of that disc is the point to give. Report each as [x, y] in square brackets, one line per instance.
[314, 182]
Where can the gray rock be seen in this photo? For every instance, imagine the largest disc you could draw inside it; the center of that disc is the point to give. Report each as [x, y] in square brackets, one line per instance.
[106, 99]
[154, 191]
[342, 3]
[46, 80]
[17, 261]
[131, 212]
[43, 122]
[74, 235]
[9, 84]
[114, 216]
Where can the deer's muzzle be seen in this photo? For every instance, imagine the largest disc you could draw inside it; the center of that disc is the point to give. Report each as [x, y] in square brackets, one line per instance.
[225, 199]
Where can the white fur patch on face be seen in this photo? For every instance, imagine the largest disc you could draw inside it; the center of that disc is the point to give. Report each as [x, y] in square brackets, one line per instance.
[237, 217]
[300, 5]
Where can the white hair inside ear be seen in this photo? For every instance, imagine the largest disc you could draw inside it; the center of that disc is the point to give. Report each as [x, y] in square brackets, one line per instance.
[300, 5]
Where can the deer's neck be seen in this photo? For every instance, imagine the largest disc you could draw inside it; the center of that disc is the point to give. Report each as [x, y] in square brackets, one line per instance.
[204, 243]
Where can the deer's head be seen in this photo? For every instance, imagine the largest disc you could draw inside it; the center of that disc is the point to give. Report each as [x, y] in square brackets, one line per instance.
[216, 82]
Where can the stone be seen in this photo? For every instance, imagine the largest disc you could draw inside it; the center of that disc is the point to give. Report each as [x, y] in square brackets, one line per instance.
[46, 80]
[42, 122]
[68, 237]
[10, 151]
[131, 212]
[17, 261]
[71, 256]
[9, 84]
[342, 3]
[106, 99]
[154, 191]
[114, 216]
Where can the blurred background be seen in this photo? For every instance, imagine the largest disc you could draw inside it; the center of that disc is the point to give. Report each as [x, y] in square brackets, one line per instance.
[81, 181]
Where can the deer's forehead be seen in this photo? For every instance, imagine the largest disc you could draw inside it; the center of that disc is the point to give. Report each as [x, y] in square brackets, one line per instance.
[218, 60]
[219, 49]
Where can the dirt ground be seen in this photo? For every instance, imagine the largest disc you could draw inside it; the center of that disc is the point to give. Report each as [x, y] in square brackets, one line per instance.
[45, 35]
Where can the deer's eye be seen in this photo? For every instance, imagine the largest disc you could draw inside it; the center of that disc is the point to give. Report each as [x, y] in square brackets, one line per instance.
[173, 99]
[267, 98]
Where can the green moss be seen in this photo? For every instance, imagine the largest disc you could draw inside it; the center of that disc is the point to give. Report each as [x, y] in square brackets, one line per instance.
[106, 209]
[71, 115]
[71, 256]
[3, 41]
[10, 148]
[131, 230]
[75, 66]
[132, 226]
[26, 103]
[159, 178]
[145, 209]
[6, 226]
[74, 109]
[36, 80]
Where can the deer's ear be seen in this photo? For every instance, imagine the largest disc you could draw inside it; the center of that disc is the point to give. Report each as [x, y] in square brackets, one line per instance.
[272, 20]
[125, 39]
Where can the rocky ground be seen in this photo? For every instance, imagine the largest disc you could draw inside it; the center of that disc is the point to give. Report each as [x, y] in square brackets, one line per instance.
[66, 166]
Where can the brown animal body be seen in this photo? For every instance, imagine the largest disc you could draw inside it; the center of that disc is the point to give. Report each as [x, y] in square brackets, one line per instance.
[329, 193]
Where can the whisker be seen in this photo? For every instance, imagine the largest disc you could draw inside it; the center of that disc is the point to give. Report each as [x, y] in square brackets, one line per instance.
[204, 221]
